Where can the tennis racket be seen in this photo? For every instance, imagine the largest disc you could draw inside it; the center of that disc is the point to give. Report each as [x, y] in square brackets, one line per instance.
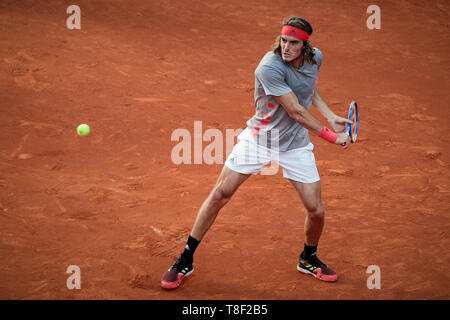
[352, 128]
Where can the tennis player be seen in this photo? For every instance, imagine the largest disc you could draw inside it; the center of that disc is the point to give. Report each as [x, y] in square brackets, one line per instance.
[285, 89]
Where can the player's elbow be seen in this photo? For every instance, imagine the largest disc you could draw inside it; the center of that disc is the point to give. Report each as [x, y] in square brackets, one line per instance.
[299, 114]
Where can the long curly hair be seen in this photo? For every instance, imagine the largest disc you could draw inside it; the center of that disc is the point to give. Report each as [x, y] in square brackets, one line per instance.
[308, 51]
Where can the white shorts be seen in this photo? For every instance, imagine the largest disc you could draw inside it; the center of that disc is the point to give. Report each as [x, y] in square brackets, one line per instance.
[249, 157]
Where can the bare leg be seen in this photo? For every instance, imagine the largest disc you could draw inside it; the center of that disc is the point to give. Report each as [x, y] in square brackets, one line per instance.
[311, 196]
[227, 184]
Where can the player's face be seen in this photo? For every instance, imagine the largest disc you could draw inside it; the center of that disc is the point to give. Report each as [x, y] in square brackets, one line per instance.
[291, 48]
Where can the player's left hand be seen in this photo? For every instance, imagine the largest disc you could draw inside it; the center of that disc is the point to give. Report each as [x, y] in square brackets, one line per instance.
[339, 124]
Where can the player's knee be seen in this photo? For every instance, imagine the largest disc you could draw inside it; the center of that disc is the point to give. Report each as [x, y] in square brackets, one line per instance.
[221, 194]
[316, 212]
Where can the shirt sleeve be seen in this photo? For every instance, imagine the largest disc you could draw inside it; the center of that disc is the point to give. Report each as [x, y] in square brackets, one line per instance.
[272, 80]
[318, 57]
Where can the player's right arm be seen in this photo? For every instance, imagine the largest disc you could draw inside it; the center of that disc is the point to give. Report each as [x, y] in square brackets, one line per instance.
[302, 115]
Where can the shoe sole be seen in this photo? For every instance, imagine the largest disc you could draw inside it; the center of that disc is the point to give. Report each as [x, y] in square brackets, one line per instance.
[177, 283]
[323, 277]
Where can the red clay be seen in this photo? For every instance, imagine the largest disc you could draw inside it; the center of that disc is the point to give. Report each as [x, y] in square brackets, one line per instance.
[114, 204]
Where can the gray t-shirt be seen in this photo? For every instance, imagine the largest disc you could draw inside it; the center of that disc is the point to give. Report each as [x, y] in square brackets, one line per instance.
[274, 77]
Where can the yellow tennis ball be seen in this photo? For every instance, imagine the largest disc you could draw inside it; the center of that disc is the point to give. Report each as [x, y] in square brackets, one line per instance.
[83, 129]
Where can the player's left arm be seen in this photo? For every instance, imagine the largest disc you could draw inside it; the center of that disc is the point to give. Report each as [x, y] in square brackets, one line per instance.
[337, 123]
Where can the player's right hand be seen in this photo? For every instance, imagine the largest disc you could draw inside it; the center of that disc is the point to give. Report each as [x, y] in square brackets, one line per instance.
[343, 139]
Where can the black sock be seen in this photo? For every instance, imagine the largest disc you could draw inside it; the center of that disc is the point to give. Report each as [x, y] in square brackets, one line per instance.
[308, 251]
[189, 250]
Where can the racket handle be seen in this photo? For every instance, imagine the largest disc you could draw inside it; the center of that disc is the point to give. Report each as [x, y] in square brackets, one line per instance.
[348, 133]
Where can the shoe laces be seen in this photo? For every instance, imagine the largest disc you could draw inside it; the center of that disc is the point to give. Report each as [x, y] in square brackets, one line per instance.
[181, 263]
[313, 260]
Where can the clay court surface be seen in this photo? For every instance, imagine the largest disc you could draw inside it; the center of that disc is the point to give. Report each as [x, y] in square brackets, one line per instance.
[113, 202]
